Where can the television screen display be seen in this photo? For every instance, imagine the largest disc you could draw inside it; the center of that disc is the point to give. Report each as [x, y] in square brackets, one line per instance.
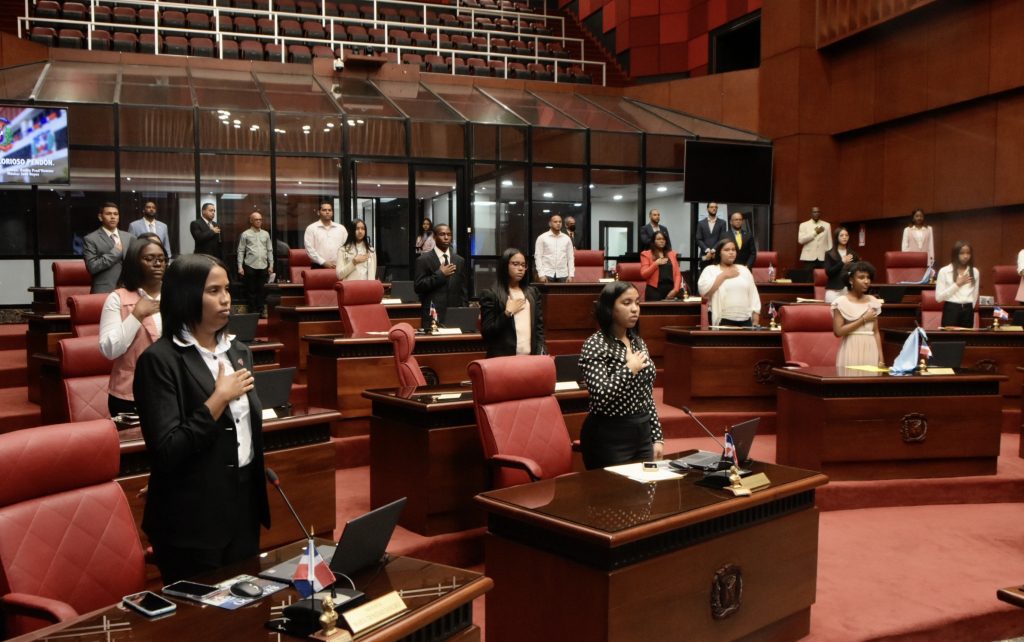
[728, 172]
[34, 145]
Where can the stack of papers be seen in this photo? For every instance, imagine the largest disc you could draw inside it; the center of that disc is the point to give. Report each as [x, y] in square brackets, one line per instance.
[637, 473]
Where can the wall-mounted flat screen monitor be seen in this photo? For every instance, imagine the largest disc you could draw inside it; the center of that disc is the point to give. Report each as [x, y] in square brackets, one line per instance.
[34, 145]
[728, 172]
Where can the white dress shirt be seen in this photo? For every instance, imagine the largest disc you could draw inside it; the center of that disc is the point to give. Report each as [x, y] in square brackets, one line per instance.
[735, 299]
[322, 243]
[946, 288]
[554, 255]
[116, 334]
[239, 406]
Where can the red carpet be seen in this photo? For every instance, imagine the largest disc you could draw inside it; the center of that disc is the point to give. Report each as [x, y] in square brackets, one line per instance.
[12, 336]
[16, 412]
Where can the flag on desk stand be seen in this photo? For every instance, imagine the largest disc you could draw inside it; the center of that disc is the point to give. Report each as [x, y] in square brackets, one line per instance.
[730, 450]
[313, 573]
[433, 313]
[906, 361]
[1001, 314]
[772, 312]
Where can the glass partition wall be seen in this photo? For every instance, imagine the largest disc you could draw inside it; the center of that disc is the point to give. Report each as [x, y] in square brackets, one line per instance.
[495, 163]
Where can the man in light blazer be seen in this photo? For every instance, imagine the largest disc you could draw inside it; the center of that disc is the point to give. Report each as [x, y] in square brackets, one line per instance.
[440, 278]
[815, 238]
[104, 250]
[149, 224]
[709, 233]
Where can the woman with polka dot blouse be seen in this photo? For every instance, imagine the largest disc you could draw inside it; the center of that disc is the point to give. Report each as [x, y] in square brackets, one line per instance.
[623, 424]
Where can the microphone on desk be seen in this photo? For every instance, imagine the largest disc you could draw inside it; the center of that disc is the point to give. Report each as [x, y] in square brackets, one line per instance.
[701, 424]
[275, 481]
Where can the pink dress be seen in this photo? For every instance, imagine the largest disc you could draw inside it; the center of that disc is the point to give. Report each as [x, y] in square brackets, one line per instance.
[859, 347]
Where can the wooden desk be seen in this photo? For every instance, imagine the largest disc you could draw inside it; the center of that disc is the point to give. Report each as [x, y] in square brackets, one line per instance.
[899, 316]
[341, 368]
[775, 292]
[597, 557]
[656, 315]
[279, 293]
[44, 331]
[569, 309]
[44, 300]
[1020, 451]
[448, 616]
[722, 370]
[851, 424]
[427, 448]
[297, 447]
[993, 351]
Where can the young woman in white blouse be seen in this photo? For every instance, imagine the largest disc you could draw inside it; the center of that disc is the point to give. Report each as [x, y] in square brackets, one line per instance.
[957, 287]
[1020, 271]
[356, 259]
[730, 289]
[917, 237]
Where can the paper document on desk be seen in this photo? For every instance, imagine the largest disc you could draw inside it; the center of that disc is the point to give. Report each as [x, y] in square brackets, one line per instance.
[566, 385]
[867, 368]
[447, 331]
[801, 299]
[637, 473]
[389, 301]
[938, 371]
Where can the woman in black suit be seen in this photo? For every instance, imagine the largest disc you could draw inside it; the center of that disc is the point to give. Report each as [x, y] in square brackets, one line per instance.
[836, 259]
[511, 318]
[201, 420]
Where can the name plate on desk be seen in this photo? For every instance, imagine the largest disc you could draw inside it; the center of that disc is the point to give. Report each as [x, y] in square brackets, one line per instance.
[374, 612]
[447, 331]
[391, 301]
[269, 413]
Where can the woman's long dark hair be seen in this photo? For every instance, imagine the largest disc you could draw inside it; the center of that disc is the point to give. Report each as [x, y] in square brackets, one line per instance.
[181, 304]
[350, 227]
[605, 305]
[503, 282]
[132, 276]
[718, 250]
[959, 245]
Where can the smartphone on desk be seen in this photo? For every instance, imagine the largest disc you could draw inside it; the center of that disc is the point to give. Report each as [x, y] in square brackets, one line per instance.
[149, 603]
[189, 590]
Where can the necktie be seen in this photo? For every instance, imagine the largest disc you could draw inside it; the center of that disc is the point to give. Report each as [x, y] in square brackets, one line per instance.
[116, 238]
[739, 240]
[445, 259]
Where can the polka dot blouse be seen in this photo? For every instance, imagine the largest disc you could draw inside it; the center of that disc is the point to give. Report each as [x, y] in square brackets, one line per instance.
[614, 390]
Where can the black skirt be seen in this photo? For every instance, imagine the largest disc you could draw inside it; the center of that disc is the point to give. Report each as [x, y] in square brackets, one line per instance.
[609, 441]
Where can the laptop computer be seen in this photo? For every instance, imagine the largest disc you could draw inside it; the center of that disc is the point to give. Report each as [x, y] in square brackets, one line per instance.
[243, 326]
[274, 387]
[742, 435]
[567, 368]
[362, 544]
[947, 354]
[465, 319]
[404, 290]
[891, 293]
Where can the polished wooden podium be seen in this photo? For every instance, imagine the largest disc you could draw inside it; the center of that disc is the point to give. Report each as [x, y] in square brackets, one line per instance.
[852, 424]
[595, 556]
[445, 613]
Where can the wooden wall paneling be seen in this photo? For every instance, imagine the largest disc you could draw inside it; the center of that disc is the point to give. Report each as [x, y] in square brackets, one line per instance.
[785, 180]
[1006, 69]
[861, 176]
[958, 54]
[740, 106]
[965, 158]
[901, 86]
[984, 239]
[785, 25]
[818, 176]
[909, 167]
[852, 88]
[813, 98]
[1009, 157]
[780, 94]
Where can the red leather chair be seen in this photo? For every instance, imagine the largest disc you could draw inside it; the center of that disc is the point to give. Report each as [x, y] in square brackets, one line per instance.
[820, 281]
[931, 312]
[631, 272]
[319, 288]
[86, 310]
[807, 337]
[589, 265]
[298, 262]
[403, 340]
[86, 375]
[521, 426]
[1006, 281]
[68, 542]
[905, 266]
[359, 303]
[761, 263]
[69, 278]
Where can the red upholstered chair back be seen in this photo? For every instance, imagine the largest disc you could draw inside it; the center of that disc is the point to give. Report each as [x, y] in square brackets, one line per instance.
[359, 303]
[86, 374]
[66, 531]
[589, 265]
[517, 415]
[69, 278]
[1005, 280]
[820, 281]
[86, 310]
[931, 312]
[905, 266]
[807, 337]
[761, 263]
[298, 262]
[631, 272]
[319, 287]
[403, 340]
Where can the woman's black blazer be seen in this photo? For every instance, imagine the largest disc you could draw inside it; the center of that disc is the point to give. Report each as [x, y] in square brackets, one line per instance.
[499, 330]
[834, 268]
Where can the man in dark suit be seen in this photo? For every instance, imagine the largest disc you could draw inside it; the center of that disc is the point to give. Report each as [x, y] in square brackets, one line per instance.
[574, 236]
[104, 250]
[709, 233]
[648, 231]
[440, 278]
[206, 232]
[746, 245]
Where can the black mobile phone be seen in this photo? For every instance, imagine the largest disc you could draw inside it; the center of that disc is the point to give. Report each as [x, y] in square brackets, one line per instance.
[190, 590]
[149, 603]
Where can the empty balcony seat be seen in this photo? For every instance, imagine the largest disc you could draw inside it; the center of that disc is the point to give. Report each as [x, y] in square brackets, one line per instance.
[70, 39]
[285, 6]
[483, 22]
[197, 20]
[540, 72]
[242, 4]
[420, 39]
[357, 33]
[399, 37]
[175, 19]
[518, 70]
[390, 14]
[245, 24]
[520, 48]
[125, 15]
[300, 54]
[436, 64]
[74, 11]
[308, 8]
[102, 13]
[410, 16]
[479, 43]
[176, 46]
[330, 8]
[366, 11]
[458, 64]
[47, 9]
[229, 49]
[100, 40]
[322, 51]
[313, 29]
[125, 42]
[478, 67]
[151, 43]
[274, 52]
[461, 43]
[377, 36]
[338, 30]
[251, 50]
[414, 59]
[147, 17]
[540, 28]
[44, 36]
[201, 46]
[500, 45]
[440, 40]
[265, 26]
[348, 10]
[497, 68]
[290, 28]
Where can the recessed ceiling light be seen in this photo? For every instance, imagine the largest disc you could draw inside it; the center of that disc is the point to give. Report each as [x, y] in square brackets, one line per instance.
[617, 197]
[506, 183]
[662, 189]
[548, 195]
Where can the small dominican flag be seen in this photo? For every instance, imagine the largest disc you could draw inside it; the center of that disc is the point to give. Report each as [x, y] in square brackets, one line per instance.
[433, 312]
[771, 311]
[925, 351]
[313, 574]
[730, 450]
[1000, 314]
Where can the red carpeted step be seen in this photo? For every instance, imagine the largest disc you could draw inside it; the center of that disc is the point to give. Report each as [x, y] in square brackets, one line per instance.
[16, 411]
[12, 336]
[676, 423]
[13, 368]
